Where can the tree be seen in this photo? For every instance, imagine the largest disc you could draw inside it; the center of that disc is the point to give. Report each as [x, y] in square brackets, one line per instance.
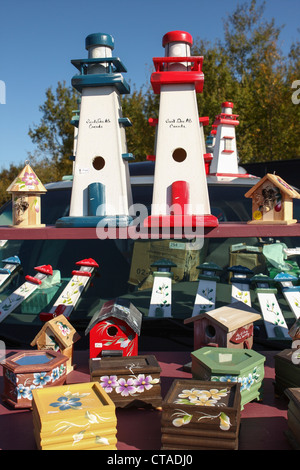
[139, 107]
[54, 135]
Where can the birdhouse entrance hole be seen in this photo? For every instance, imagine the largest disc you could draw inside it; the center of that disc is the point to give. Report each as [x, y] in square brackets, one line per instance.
[98, 163]
[179, 155]
[210, 331]
[112, 331]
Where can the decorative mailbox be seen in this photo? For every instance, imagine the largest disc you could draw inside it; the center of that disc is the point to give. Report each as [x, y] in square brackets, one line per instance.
[27, 370]
[231, 365]
[74, 417]
[201, 416]
[129, 381]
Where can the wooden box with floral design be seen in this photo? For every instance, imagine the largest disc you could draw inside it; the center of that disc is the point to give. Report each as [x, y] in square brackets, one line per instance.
[201, 415]
[74, 417]
[27, 370]
[231, 365]
[287, 370]
[129, 381]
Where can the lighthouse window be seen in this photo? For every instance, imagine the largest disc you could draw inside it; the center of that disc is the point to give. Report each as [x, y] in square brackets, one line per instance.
[228, 144]
[98, 163]
[179, 155]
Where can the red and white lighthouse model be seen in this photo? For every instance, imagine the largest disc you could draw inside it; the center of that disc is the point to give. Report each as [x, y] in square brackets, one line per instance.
[225, 158]
[180, 195]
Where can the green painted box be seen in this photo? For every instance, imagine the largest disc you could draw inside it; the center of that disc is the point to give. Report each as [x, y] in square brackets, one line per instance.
[244, 366]
[287, 370]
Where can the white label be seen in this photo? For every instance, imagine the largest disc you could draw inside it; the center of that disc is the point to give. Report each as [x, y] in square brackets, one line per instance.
[177, 245]
[225, 358]
[83, 171]
[98, 345]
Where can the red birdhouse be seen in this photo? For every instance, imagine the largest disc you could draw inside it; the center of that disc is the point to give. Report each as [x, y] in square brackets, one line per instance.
[114, 330]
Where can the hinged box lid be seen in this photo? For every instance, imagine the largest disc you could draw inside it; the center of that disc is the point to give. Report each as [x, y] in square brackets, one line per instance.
[25, 362]
[198, 395]
[124, 365]
[233, 361]
[71, 402]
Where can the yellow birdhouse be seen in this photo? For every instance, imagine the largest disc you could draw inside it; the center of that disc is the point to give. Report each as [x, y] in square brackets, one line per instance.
[58, 335]
[26, 191]
[272, 201]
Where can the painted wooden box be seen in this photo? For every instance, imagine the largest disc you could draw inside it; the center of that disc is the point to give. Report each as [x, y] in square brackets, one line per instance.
[129, 381]
[226, 365]
[287, 370]
[293, 415]
[74, 417]
[201, 415]
[27, 370]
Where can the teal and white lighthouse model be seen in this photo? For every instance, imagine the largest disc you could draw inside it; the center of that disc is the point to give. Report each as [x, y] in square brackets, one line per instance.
[101, 192]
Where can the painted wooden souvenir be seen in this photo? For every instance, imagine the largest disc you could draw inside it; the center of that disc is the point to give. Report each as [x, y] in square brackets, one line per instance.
[229, 326]
[290, 292]
[227, 365]
[74, 417]
[9, 304]
[26, 191]
[287, 370]
[161, 296]
[201, 415]
[274, 321]
[114, 330]
[28, 370]
[101, 191]
[240, 281]
[180, 194]
[225, 158]
[293, 415]
[11, 267]
[294, 332]
[272, 201]
[58, 335]
[206, 292]
[70, 296]
[129, 381]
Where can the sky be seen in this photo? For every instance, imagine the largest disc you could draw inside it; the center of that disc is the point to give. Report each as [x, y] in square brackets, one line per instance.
[39, 38]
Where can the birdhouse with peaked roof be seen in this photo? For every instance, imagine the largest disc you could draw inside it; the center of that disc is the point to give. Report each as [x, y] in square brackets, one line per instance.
[26, 191]
[272, 201]
[114, 329]
[58, 335]
[230, 326]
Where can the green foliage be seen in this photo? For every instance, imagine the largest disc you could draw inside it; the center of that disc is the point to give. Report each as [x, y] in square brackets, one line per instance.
[54, 135]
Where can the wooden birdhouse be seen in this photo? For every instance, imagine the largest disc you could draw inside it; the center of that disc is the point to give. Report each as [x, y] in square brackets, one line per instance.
[58, 335]
[26, 191]
[114, 330]
[272, 201]
[230, 326]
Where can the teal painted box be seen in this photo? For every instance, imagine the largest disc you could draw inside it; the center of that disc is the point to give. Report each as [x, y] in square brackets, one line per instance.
[231, 365]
